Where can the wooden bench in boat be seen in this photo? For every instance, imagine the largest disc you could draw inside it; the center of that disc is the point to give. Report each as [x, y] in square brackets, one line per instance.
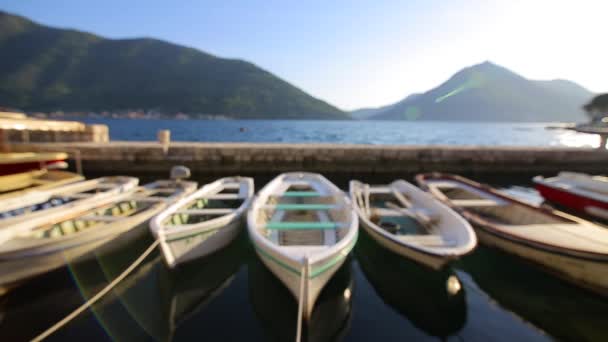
[301, 206]
[208, 211]
[303, 225]
[432, 240]
[384, 212]
[300, 194]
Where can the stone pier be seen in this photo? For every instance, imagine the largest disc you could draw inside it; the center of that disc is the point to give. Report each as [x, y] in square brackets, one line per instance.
[211, 159]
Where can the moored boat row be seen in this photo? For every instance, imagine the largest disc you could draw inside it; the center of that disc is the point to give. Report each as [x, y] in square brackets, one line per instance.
[302, 227]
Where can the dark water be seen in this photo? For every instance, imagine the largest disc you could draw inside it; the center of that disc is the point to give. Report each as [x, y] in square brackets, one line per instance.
[376, 295]
[355, 132]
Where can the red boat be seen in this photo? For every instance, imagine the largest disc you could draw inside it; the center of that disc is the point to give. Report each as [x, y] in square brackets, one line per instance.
[577, 191]
[11, 163]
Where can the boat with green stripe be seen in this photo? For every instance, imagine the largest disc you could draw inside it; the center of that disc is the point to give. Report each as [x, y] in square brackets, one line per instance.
[302, 227]
[203, 222]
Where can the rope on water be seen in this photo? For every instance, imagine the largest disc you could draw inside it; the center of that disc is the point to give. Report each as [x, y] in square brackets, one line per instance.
[98, 296]
[303, 279]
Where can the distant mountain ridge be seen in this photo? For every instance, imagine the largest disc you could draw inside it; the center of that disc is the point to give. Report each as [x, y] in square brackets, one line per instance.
[488, 92]
[45, 69]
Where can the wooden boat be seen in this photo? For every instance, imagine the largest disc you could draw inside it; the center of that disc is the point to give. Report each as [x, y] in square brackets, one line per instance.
[26, 161]
[45, 243]
[302, 227]
[577, 191]
[569, 247]
[203, 222]
[411, 223]
[56, 202]
[19, 183]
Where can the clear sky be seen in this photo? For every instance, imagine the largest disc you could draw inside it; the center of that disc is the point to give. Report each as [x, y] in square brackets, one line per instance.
[361, 53]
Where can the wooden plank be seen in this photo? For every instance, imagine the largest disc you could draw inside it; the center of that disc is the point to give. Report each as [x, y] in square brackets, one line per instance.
[210, 211]
[301, 225]
[300, 194]
[301, 206]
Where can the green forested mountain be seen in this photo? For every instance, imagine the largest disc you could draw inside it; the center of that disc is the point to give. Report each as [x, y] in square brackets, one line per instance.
[488, 92]
[44, 69]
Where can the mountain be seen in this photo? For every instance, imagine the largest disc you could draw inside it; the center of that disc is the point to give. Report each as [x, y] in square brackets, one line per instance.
[488, 92]
[45, 69]
[368, 113]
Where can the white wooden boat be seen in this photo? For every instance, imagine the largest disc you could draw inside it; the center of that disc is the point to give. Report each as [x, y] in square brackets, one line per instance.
[203, 222]
[42, 244]
[19, 183]
[55, 202]
[407, 221]
[569, 247]
[302, 227]
[577, 191]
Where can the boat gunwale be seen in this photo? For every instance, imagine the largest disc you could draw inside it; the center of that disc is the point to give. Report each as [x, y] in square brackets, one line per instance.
[492, 229]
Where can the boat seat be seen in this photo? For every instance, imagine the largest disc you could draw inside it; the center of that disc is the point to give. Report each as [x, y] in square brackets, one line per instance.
[210, 211]
[478, 202]
[302, 225]
[432, 240]
[300, 194]
[432, 216]
[102, 218]
[301, 206]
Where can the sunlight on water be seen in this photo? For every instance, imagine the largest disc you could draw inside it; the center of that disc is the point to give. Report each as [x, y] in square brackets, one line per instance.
[573, 139]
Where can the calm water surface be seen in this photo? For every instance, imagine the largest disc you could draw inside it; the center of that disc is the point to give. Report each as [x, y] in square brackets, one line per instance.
[355, 132]
[376, 295]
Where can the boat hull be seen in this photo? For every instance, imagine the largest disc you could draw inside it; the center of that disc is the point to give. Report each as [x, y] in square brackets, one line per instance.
[433, 261]
[287, 273]
[200, 244]
[581, 271]
[581, 204]
[21, 266]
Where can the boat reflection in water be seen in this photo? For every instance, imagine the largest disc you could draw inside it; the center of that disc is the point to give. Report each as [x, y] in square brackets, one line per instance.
[277, 310]
[433, 301]
[160, 300]
[562, 310]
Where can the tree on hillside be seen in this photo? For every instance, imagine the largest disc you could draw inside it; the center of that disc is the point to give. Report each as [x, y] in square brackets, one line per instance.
[597, 108]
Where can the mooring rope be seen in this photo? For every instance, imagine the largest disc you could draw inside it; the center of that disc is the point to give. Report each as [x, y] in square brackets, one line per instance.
[98, 296]
[303, 278]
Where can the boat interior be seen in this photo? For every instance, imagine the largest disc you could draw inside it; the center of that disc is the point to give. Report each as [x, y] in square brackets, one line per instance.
[492, 208]
[142, 199]
[62, 198]
[302, 215]
[97, 218]
[396, 213]
[224, 200]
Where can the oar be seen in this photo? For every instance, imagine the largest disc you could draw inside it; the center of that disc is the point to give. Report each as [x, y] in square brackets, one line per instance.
[424, 220]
